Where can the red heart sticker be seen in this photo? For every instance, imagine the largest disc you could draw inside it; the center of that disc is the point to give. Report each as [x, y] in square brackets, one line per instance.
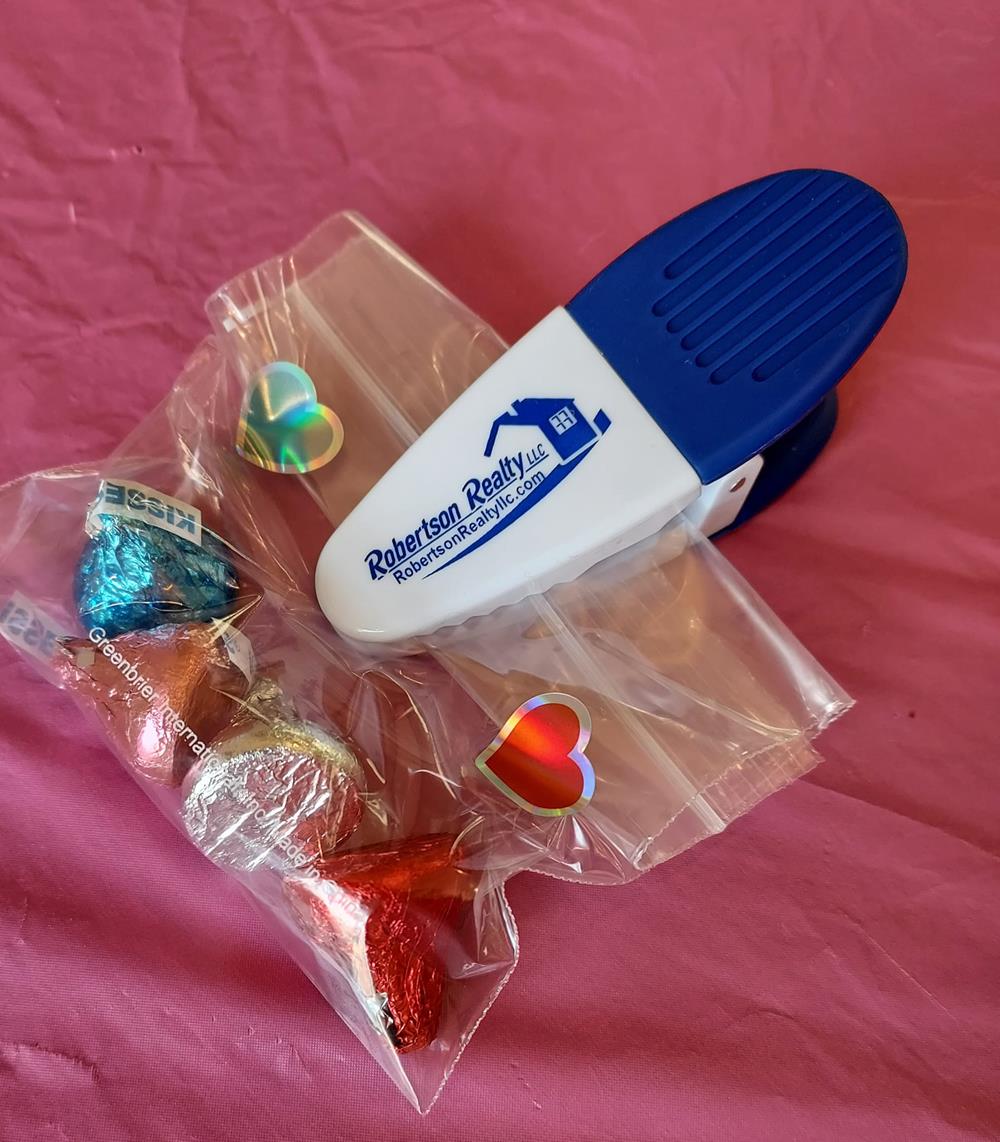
[537, 759]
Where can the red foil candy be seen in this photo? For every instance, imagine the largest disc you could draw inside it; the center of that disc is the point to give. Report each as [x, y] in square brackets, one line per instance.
[384, 907]
[423, 869]
[161, 694]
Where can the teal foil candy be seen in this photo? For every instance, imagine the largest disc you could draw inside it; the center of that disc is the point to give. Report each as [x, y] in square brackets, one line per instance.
[132, 576]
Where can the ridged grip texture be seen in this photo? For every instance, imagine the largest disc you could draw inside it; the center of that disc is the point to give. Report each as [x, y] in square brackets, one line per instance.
[734, 320]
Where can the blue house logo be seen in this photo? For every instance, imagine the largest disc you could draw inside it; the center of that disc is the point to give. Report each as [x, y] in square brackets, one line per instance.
[562, 424]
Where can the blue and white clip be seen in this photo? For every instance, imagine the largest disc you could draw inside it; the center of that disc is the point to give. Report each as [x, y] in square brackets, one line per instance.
[696, 372]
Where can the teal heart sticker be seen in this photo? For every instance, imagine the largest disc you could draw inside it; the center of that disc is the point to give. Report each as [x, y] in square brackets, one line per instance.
[283, 427]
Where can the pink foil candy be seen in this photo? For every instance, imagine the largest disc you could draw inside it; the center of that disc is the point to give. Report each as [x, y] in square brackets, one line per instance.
[161, 694]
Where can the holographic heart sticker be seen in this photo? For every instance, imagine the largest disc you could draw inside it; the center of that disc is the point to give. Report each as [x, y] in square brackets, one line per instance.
[283, 427]
[537, 758]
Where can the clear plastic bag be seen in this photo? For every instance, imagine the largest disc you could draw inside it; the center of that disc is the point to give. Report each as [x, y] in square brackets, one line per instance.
[701, 701]
[339, 783]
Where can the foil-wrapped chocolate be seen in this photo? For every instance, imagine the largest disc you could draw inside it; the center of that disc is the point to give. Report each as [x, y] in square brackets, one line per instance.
[273, 789]
[134, 576]
[161, 694]
[380, 912]
[424, 870]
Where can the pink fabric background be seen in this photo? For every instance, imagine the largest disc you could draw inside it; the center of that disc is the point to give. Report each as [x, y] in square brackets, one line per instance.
[827, 969]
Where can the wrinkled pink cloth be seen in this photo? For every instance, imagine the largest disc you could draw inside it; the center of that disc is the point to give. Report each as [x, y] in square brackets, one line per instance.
[826, 969]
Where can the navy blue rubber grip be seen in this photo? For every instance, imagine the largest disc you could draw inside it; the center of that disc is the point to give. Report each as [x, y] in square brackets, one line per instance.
[733, 321]
[788, 458]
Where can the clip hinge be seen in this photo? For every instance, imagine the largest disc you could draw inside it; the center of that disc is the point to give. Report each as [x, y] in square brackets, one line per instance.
[720, 502]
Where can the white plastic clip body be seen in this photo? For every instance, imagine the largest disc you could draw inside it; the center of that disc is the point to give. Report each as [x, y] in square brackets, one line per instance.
[544, 466]
[720, 502]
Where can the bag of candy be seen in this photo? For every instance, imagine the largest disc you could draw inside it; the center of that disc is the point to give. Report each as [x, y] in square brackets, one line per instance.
[373, 800]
